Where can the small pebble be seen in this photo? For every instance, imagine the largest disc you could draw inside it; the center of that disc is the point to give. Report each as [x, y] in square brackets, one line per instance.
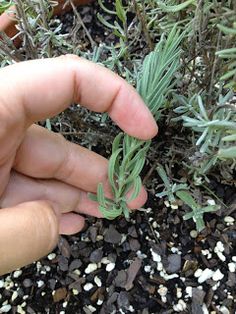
[193, 233]
[217, 276]
[88, 286]
[110, 267]
[91, 268]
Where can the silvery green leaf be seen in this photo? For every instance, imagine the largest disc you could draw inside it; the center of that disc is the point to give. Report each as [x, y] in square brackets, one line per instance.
[175, 8]
[228, 138]
[116, 142]
[187, 198]
[111, 168]
[100, 195]
[120, 11]
[136, 189]
[93, 197]
[227, 152]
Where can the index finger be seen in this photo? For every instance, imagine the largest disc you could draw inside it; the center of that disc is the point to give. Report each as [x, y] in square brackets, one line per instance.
[40, 89]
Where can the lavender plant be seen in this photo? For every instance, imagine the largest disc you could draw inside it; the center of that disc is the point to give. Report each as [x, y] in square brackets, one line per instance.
[197, 209]
[128, 153]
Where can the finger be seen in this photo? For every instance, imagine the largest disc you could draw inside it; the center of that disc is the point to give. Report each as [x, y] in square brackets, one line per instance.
[57, 158]
[68, 198]
[28, 232]
[52, 84]
[67, 162]
[71, 223]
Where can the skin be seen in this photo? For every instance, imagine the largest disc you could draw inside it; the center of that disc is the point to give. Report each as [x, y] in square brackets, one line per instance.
[44, 178]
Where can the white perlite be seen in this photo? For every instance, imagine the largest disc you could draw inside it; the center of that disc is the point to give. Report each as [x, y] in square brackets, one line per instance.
[99, 302]
[110, 267]
[147, 268]
[180, 306]
[98, 281]
[17, 273]
[40, 283]
[205, 275]
[88, 286]
[204, 309]
[5, 308]
[232, 267]
[91, 268]
[189, 292]
[219, 249]
[162, 292]
[217, 276]
[14, 295]
[229, 220]
[1, 283]
[155, 257]
[51, 256]
[223, 309]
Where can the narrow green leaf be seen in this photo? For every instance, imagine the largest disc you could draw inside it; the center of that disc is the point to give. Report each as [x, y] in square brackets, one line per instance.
[136, 189]
[228, 138]
[100, 195]
[187, 198]
[175, 8]
[120, 11]
[227, 152]
[226, 30]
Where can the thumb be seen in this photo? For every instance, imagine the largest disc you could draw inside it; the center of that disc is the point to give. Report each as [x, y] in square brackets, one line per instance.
[28, 232]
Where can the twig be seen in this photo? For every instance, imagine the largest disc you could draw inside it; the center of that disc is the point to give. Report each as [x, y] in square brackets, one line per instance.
[143, 22]
[92, 42]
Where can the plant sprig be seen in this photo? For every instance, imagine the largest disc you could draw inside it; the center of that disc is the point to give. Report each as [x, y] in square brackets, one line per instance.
[197, 210]
[128, 153]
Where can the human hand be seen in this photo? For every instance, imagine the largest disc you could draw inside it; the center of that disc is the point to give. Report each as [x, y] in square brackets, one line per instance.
[44, 178]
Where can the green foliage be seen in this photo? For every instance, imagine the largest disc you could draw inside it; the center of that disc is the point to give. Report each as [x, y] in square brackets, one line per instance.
[197, 210]
[170, 188]
[119, 27]
[4, 5]
[214, 130]
[128, 156]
